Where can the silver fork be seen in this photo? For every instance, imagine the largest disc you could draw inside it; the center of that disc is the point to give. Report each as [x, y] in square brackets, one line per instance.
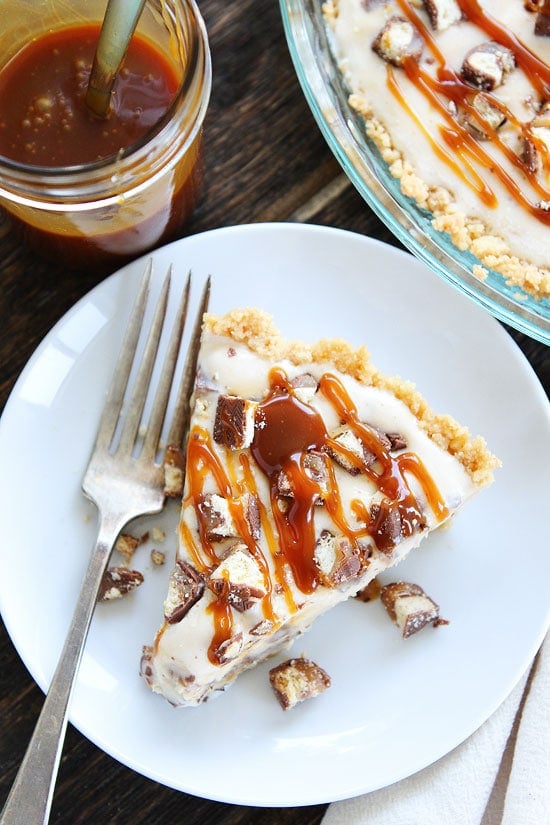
[125, 479]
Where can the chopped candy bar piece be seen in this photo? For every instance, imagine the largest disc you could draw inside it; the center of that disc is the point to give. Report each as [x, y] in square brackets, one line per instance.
[542, 25]
[174, 463]
[305, 387]
[117, 582]
[349, 451]
[398, 40]
[228, 649]
[252, 514]
[537, 142]
[337, 558]
[315, 468]
[127, 545]
[296, 680]
[397, 441]
[409, 607]
[490, 115]
[487, 66]
[185, 588]
[369, 593]
[262, 628]
[239, 579]
[542, 21]
[443, 13]
[214, 512]
[234, 423]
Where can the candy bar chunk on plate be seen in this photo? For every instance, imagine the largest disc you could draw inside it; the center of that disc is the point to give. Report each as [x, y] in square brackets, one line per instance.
[410, 607]
[296, 680]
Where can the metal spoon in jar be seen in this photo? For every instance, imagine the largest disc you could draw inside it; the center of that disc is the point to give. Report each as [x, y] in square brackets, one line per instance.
[119, 23]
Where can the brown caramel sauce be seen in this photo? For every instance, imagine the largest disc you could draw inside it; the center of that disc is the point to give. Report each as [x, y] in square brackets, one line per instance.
[285, 430]
[46, 123]
[448, 86]
[222, 615]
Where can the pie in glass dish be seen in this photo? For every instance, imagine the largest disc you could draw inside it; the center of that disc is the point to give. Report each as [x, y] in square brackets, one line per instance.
[455, 96]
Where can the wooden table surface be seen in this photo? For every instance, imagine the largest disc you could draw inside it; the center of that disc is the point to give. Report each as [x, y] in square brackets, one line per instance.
[265, 161]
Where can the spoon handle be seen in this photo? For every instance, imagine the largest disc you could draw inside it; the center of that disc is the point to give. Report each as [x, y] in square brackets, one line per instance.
[119, 23]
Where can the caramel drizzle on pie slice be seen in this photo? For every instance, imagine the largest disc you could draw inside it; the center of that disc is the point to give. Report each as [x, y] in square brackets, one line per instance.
[286, 429]
[388, 473]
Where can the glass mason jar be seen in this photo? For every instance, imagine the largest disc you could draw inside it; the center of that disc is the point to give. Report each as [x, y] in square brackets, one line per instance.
[110, 211]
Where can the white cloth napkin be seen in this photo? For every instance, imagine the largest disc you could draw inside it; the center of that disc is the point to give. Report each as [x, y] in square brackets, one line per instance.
[499, 776]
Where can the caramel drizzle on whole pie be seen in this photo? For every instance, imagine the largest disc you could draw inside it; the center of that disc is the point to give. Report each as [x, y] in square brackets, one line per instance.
[458, 147]
[286, 429]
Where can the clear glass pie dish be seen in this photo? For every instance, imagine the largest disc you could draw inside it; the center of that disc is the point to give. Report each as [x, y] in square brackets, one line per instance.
[343, 129]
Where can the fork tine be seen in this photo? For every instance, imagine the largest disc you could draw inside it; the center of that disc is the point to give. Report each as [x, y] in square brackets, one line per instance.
[139, 395]
[119, 382]
[158, 412]
[180, 417]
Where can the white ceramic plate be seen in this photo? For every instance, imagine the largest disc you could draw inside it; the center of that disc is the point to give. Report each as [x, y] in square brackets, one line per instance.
[394, 706]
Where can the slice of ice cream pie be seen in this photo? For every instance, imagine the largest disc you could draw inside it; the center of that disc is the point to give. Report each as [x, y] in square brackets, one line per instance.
[307, 473]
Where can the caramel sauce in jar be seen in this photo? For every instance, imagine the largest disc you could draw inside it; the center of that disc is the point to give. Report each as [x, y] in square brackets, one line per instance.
[91, 192]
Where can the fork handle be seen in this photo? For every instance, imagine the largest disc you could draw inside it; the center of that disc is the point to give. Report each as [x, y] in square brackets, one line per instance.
[30, 799]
